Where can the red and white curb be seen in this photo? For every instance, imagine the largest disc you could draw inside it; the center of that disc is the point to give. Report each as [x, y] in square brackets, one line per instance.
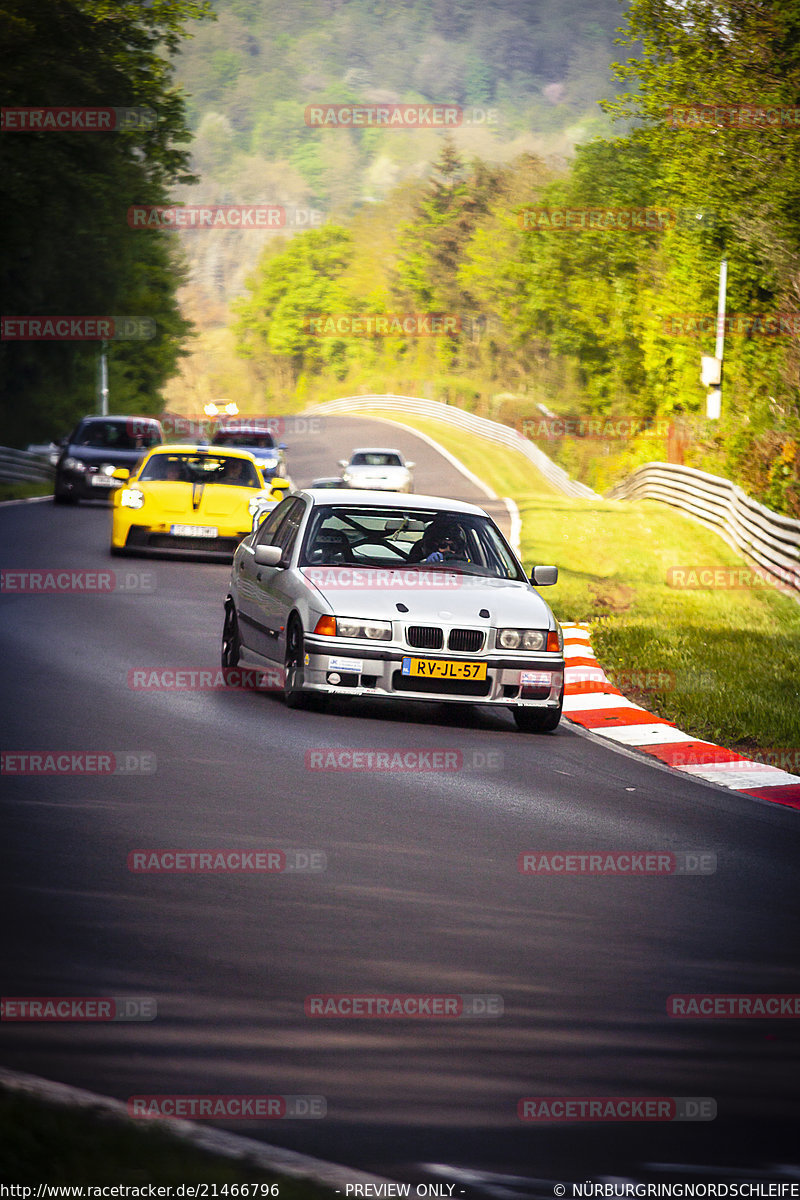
[592, 700]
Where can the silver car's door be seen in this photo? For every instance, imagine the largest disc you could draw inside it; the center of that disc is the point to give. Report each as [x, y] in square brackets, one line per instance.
[269, 598]
[252, 579]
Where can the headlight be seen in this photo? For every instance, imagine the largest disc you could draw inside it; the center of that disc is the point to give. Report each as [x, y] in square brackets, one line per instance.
[131, 498]
[520, 639]
[380, 631]
[74, 464]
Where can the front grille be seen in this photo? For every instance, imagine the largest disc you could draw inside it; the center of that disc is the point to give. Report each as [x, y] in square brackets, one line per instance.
[468, 640]
[425, 637]
[440, 687]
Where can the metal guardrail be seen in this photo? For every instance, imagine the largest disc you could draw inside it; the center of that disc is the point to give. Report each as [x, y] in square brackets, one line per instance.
[20, 466]
[491, 430]
[768, 538]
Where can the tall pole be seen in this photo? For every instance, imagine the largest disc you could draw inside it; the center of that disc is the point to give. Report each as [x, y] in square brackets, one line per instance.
[103, 381]
[714, 399]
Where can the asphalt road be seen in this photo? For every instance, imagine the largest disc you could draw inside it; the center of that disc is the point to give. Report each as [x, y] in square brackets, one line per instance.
[421, 894]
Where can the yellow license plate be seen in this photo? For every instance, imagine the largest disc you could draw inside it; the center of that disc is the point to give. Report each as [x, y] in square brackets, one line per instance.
[440, 669]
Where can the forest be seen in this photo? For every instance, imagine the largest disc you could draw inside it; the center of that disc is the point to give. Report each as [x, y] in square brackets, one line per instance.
[569, 230]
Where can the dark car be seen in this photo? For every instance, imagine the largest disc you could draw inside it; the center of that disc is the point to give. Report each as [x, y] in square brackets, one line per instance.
[248, 435]
[95, 449]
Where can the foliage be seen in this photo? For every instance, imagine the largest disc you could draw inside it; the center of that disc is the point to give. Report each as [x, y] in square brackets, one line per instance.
[69, 249]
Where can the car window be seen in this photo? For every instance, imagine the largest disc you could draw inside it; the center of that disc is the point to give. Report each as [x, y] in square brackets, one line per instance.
[201, 468]
[270, 528]
[367, 459]
[117, 435]
[286, 534]
[243, 441]
[382, 537]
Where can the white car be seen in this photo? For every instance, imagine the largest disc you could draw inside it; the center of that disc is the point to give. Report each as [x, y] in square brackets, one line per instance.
[377, 469]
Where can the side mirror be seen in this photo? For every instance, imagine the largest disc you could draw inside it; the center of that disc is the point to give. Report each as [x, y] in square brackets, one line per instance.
[342, 463]
[411, 465]
[544, 576]
[122, 473]
[282, 446]
[268, 556]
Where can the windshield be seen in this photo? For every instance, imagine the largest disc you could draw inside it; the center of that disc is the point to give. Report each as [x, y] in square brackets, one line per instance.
[201, 468]
[118, 435]
[349, 534]
[243, 441]
[375, 458]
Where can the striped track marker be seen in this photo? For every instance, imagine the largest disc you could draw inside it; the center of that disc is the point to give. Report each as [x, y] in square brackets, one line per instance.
[592, 700]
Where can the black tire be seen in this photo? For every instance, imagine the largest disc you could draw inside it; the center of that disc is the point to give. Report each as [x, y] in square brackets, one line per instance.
[538, 720]
[231, 641]
[293, 692]
[64, 498]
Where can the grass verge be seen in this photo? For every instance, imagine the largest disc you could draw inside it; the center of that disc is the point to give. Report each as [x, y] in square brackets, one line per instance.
[505, 471]
[724, 664]
[52, 1143]
[24, 491]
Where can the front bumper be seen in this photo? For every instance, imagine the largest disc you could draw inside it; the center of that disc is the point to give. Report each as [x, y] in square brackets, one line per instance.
[378, 672]
[156, 539]
[80, 486]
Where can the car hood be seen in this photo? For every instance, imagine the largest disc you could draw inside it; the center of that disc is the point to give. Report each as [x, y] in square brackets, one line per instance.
[430, 596]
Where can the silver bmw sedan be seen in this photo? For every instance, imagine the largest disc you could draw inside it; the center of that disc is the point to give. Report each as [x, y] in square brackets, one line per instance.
[377, 595]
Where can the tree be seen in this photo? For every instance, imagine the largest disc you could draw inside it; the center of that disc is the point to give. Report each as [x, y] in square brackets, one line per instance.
[69, 248]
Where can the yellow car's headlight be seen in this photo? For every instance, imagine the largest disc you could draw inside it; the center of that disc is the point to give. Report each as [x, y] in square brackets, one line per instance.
[131, 498]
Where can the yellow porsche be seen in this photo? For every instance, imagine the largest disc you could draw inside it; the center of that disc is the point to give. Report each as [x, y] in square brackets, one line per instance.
[187, 500]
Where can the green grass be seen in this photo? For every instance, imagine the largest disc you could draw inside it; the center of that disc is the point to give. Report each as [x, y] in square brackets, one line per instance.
[505, 471]
[22, 491]
[50, 1143]
[729, 659]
